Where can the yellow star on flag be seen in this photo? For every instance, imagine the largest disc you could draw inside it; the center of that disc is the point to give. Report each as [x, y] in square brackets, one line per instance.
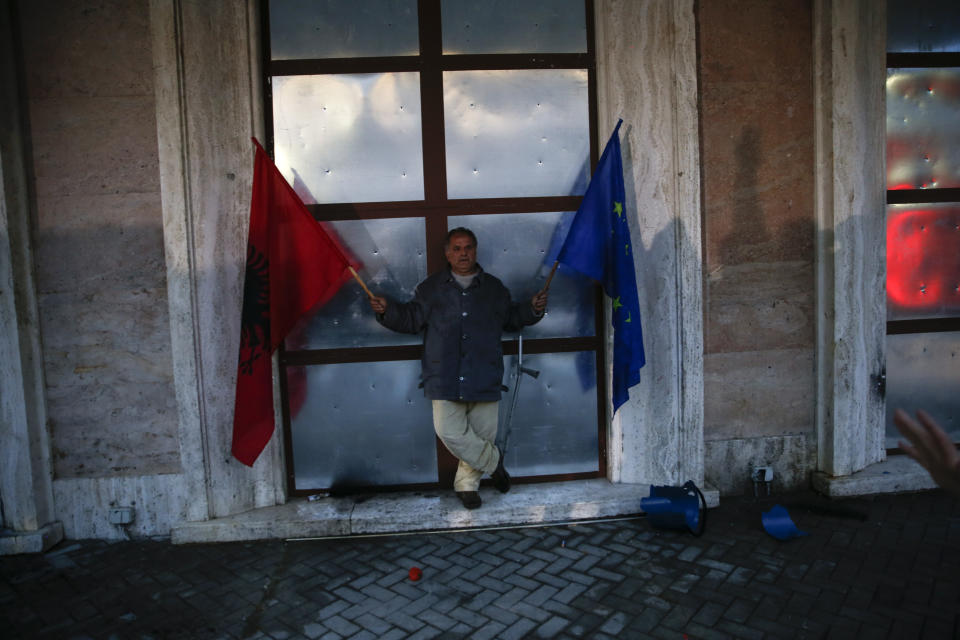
[618, 208]
[616, 303]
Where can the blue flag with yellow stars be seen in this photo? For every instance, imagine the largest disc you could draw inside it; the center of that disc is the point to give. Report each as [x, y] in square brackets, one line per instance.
[598, 246]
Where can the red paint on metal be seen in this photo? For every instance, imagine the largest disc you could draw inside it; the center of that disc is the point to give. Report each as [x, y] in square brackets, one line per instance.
[923, 259]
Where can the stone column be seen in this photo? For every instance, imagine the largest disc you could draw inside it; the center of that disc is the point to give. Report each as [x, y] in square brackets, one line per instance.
[209, 96]
[647, 75]
[26, 478]
[850, 75]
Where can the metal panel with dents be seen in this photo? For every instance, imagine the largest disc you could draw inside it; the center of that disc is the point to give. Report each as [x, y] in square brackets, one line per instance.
[516, 132]
[923, 139]
[928, 26]
[367, 424]
[553, 429]
[360, 424]
[547, 26]
[349, 137]
[334, 29]
[923, 261]
[923, 372]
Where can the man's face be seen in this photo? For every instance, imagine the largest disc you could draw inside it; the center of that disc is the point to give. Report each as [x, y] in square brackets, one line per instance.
[461, 253]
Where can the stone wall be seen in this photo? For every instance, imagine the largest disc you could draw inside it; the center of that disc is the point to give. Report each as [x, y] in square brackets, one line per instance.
[758, 186]
[101, 276]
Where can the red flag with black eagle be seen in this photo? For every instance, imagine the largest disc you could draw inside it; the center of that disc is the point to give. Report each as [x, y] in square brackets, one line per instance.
[293, 265]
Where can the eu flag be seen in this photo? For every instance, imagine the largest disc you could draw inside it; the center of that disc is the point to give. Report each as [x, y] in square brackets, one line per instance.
[598, 246]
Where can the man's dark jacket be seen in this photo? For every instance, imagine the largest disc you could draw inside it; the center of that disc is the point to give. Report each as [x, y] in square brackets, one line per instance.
[462, 354]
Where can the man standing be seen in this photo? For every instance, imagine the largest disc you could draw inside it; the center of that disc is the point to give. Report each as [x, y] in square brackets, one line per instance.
[463, 312]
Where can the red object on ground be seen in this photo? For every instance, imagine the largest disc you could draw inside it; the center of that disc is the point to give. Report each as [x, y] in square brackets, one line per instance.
[415, 573]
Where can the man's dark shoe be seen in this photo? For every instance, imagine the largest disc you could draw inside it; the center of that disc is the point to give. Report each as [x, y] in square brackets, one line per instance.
[501, 479]
[470, 499]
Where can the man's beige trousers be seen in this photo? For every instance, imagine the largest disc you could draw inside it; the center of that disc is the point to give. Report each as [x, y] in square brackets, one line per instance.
[468, 429]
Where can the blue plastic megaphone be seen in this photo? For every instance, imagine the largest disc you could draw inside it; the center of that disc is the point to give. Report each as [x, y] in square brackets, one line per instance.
[676, 508]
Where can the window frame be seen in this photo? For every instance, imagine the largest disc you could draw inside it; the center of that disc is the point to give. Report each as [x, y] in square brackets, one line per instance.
[436, 207]
[921, 60]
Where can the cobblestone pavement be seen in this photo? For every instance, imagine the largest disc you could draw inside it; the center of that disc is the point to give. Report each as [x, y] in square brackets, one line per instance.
[883, 566]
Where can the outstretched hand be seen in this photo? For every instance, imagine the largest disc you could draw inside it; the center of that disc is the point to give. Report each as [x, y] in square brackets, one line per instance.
[539, 302]
[931, 447]
[378, 304]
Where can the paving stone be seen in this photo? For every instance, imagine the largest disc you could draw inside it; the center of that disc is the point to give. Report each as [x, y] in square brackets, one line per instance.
[500, 615]
[504, 570]
[739, 631]
[524, 583]
[437, 619]
[546, 578]
[406, 622]
[709, 613]
[689, 554]
[460, 630]
[894, 574]
[518, 629]
[540, 596]
[647, 620]
[341, 626]
[530, 611]
[568, 593]
[426, 633]
[579, 577]
[552, 627]
[482, 600]
[614, 623]
[488, 631]
[603, 574]
[585, 563]
[372, 623]
[472, 618]
[739, 611]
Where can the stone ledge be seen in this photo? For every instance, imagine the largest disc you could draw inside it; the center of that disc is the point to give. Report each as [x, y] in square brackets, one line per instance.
[14, 542]
[896, 474]
[425, 511]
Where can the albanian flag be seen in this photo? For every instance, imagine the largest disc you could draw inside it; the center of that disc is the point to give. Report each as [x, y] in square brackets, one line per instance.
[293, 265]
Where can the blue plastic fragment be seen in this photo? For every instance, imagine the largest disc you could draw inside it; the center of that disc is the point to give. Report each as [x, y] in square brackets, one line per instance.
[672, 507]
[777, 523]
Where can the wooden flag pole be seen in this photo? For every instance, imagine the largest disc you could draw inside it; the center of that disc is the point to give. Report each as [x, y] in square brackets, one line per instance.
[362, 284]
[546, 286]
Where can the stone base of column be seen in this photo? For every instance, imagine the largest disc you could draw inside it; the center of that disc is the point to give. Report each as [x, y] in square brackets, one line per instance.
[37, 541]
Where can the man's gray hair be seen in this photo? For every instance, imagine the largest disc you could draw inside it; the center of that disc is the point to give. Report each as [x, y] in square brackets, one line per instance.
[460, 231]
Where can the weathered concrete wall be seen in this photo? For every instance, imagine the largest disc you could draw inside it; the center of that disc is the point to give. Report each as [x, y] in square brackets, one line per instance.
[100, 267]
[758, 143]
[646, 74]
[745, 453]
[209, 104]
[26, 497]
[850, 76]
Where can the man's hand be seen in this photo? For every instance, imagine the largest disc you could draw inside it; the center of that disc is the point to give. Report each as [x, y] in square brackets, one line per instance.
[539, 302]
[932, 448]
[378, 304]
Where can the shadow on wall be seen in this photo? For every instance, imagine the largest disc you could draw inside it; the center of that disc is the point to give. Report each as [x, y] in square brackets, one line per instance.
[749, 238]
[859, 338]
[654, 441]
[749, 225]
[105, 330]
